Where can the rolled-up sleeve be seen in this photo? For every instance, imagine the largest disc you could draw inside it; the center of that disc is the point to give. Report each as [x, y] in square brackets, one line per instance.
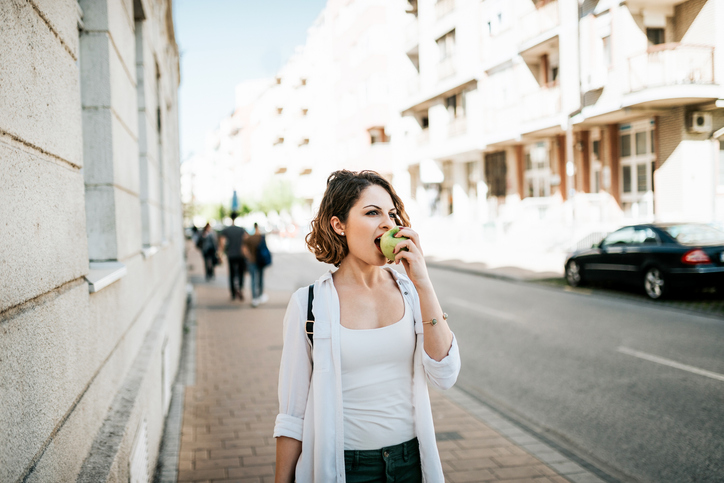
[295, 372]
[443, 374]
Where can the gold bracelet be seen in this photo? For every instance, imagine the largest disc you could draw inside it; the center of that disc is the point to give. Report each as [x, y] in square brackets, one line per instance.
[433, 322]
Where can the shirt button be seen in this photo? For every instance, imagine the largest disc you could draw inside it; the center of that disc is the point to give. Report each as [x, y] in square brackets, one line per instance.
[405, 293]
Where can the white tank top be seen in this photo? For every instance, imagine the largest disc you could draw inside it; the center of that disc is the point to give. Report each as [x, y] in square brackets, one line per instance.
[377, 384]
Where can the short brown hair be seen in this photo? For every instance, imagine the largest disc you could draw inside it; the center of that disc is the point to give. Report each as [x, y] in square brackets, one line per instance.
[343, 190]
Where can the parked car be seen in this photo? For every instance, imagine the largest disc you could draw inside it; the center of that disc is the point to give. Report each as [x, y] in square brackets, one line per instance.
[660, 257]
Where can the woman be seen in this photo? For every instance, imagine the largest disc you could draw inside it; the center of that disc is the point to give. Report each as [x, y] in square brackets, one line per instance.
[346, 401]
[208, 245]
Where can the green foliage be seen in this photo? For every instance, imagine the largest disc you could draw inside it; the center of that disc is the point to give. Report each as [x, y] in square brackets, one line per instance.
[277, 195]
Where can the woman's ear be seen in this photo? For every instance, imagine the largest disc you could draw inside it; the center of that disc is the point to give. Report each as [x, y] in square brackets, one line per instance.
[337, 225]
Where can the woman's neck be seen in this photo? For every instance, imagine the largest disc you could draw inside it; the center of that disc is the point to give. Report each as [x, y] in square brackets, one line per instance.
[354, 271]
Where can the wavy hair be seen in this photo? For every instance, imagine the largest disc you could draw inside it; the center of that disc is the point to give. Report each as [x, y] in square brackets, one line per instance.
[343, 190]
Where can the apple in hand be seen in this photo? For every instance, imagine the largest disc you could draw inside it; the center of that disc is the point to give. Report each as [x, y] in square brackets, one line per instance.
[388, 242]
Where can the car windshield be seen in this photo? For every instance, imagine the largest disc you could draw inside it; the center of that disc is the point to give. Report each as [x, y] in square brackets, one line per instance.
[695, 234]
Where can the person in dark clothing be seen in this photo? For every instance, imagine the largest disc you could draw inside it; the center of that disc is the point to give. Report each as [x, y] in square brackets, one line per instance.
[232, 238]
[208, 246]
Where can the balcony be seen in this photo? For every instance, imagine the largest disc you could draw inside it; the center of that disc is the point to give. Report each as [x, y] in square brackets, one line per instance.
[671, 64]
[424, 137]
[457, 127]
[542, 19]
[445, 69]
[444, 7]
[545, 102]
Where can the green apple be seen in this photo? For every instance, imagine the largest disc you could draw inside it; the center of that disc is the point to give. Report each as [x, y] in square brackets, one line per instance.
[388, 242]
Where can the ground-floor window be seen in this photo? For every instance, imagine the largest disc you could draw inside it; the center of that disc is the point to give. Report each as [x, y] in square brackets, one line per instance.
[496, 172]
[638, 162]
[537, 170]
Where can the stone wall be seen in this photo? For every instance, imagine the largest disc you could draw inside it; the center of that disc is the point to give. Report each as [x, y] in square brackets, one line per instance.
[88, 174]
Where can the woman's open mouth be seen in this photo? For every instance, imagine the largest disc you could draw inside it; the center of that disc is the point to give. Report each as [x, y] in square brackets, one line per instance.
[377, 243]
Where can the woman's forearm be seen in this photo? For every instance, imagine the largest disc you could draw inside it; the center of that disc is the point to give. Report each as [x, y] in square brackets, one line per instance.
[438, 338]
[288, 451]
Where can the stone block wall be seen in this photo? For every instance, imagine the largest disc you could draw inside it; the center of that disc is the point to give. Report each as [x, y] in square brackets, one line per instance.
[81, 371]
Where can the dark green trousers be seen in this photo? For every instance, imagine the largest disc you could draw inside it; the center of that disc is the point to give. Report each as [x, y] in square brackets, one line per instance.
[398, 464]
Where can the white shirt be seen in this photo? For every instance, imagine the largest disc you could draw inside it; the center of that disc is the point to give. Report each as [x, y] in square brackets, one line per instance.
[310, 401]
[377, 384]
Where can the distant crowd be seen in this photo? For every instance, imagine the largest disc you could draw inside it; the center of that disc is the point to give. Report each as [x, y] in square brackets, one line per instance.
[244, 252]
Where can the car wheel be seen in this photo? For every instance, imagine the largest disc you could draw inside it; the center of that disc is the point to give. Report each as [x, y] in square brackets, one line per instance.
[654, 283]
[574, 274]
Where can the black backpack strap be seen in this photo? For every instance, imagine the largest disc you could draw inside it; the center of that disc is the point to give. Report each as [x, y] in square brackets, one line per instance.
[310, 315]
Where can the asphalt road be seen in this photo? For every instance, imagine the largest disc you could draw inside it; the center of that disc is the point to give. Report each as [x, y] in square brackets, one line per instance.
[635, 389]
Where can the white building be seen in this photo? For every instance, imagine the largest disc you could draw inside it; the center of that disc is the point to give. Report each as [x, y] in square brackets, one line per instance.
[542, 112]
[332, 106]
[92, 286]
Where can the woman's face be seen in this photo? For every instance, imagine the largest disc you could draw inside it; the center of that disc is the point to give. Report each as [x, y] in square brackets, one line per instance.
[369, 218]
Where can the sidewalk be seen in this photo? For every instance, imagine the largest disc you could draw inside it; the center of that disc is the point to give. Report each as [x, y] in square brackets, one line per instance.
[229, 413]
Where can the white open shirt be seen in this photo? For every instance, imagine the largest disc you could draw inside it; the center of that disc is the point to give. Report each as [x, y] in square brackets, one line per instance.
[310, 401]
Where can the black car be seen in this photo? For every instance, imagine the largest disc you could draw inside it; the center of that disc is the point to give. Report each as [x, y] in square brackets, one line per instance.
[660, 257]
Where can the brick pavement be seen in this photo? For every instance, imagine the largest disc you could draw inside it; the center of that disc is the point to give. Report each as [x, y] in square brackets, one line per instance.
[229, 413]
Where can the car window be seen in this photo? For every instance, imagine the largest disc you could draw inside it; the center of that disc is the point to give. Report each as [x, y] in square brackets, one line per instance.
[646, 236]
[624, 236]
[695, 234]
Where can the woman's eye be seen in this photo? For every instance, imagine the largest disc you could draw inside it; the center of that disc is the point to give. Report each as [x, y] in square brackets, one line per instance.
[373, 212]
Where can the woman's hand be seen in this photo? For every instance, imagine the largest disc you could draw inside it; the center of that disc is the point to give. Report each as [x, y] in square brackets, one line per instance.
[412, 259]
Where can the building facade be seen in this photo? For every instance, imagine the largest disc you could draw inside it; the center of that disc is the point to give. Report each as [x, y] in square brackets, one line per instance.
[554, 111]
[333, 105]
[93, 284]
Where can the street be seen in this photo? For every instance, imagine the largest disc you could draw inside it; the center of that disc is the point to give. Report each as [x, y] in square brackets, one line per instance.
[633, 389]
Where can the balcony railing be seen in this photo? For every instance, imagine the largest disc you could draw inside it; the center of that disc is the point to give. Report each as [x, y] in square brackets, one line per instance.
[457, 127]
[671, 64]
[444, 7]
[424, 137]
[542, 19]
[545, 102]
[445, 68]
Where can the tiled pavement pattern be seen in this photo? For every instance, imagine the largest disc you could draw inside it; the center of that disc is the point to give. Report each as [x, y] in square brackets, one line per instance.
[229, 413]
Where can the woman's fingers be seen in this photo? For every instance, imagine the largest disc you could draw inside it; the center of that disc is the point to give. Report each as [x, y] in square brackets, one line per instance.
[411, 234]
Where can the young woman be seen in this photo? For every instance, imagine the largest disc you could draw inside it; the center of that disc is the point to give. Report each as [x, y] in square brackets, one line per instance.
[354, 404]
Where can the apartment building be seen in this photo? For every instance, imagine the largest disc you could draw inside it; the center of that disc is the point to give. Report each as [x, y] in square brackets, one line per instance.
[331, 106]
[93, 284]
[553, 110]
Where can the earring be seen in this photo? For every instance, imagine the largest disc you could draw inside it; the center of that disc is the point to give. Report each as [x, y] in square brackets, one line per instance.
[342, 233]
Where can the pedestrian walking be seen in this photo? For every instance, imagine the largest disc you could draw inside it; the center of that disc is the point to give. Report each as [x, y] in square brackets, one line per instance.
[353, 396]
[232, 239]
[257, 253]
[209, 249]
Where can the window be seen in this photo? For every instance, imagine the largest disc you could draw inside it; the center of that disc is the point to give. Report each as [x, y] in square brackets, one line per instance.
[655, 35]
[641, 178]
[625, 145]
[641, 143]
[278, 80]
[303, 81]
[645, 235]
[627, 179]
[425, 122]
[446, 45]
[451, 105]
[624, 236]
[304, 111]
[597, 149]
[279, 110]
[607, 54]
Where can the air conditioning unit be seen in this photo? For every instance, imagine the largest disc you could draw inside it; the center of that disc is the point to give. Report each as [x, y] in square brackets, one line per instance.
[700, 122]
